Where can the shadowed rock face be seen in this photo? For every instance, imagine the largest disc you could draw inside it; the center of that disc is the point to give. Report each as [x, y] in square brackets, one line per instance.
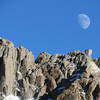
[74, 76]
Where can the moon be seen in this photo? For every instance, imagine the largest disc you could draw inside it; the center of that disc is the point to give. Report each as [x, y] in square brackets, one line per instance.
[84, 21]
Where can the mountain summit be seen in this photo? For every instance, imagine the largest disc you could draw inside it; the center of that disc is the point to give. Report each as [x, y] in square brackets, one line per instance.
[74, 76]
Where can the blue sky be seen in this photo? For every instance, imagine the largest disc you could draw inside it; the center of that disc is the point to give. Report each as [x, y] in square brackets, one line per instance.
[50, 25]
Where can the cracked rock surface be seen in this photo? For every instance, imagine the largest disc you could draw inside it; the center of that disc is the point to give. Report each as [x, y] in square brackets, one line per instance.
[74, 76]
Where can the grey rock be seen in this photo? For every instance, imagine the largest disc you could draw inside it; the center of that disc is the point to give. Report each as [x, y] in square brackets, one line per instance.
[74, 76]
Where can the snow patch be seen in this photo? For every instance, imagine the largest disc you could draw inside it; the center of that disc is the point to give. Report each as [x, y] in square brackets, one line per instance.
[30, 99]
[11, 97]
[18, 89]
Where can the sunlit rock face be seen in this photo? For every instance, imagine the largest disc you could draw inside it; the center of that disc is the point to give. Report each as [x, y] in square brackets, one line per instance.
[74, 76]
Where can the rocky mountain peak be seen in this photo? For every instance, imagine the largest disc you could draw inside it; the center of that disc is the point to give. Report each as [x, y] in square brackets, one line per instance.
[4, 42]
[74, 76]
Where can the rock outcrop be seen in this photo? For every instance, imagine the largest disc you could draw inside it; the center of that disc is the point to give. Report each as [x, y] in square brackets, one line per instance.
[74, 76]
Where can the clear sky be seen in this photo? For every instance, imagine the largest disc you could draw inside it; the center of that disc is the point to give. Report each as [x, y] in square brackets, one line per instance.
[50, 25]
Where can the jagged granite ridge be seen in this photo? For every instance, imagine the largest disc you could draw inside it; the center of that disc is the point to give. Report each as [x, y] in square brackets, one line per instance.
[74, 76]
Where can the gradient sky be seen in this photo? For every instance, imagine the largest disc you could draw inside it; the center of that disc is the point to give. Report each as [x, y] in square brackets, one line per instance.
[50, 25]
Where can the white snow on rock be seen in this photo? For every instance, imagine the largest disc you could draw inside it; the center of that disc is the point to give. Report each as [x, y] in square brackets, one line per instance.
[11, 97]
[18, 89]
[30, 99]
